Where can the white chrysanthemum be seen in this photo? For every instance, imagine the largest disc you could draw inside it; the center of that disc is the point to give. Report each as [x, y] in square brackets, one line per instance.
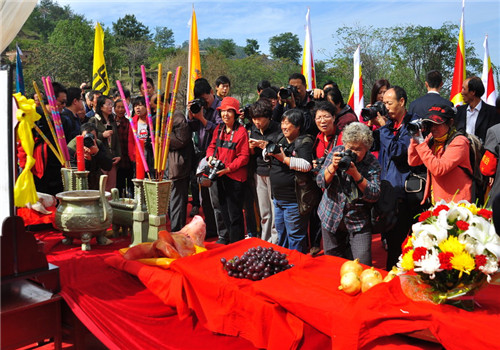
[429, 264]
[490, 267]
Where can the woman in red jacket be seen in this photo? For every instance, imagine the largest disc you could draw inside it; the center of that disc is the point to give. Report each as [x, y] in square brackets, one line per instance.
[445, 153]
[228, 155]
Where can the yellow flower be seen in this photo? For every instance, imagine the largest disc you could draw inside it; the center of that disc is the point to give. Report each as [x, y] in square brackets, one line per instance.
[407, 261]
[451, 245]
[472, 207]
[409, 243]
[463, 262]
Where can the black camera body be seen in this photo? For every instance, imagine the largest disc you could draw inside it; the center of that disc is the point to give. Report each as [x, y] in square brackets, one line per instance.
[417, 125]
[88, 140]
[274, 148]
[319, 164]
[370, 113]
[217, 165]
[347, 156]
[196, 105]
[287, 92]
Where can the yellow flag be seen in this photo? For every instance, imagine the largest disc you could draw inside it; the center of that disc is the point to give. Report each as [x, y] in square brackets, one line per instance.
[100, 81]
[194, 66]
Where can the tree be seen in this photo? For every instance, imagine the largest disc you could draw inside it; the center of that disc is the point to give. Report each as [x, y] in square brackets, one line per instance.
[45, 16]
[252, 47]
[129, 28]
[75, 36]
[285, 45]
[227, 47]
[136, 53]
[164, 37]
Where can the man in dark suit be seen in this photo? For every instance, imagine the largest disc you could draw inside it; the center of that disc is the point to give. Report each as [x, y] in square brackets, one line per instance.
[433, 83]
[476, 116]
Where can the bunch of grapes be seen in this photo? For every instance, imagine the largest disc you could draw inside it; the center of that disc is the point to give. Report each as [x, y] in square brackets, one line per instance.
[256, 264]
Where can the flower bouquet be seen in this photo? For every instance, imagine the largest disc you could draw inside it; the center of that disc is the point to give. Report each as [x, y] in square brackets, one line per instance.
[452, 251]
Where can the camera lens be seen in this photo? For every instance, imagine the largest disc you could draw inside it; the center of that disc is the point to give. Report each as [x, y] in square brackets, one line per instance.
[285, 94]
[195, 107]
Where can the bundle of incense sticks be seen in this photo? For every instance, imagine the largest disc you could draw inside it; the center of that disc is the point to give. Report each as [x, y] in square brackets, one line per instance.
[56, 117]
[134, 128]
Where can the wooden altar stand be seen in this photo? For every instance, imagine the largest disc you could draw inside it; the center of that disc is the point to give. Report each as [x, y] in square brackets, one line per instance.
[30, 305]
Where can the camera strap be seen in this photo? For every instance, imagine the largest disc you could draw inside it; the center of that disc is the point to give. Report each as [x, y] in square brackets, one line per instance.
[224, 144]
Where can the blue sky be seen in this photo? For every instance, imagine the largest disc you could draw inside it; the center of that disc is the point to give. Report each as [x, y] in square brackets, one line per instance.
[260, 20]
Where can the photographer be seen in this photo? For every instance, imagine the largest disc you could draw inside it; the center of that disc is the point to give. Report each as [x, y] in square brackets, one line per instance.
[97, 155]
[263, 131]
[228, 156]
[327, 138]
[290, 154]
[203, 117]
[350, 178]
[107, 132]
[394, 139]
[445, 153]
[295, 96]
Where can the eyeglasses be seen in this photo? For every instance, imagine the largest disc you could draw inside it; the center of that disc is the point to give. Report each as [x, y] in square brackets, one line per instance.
[108, 104]
[323, 117]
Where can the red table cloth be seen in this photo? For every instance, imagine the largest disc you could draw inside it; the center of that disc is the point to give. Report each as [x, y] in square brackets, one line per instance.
[280, 311]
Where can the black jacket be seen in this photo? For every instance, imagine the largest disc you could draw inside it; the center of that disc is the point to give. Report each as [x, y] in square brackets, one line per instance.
[486, 119]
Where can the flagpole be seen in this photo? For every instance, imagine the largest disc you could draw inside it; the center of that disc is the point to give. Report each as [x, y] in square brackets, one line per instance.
[190, 52]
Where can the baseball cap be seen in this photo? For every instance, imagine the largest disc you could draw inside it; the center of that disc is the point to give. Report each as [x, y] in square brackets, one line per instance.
[439, 114]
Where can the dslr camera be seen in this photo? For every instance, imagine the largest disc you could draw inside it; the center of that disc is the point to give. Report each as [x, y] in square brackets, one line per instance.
[370, 113]
[88, 140]
[419, 124]
[274, 148]
[217, 165]
[319, 164]
[347, 156]
[287, 92]
[196, 105]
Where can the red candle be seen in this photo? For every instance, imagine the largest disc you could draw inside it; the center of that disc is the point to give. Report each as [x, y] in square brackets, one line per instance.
[139, 166]
[80, 158]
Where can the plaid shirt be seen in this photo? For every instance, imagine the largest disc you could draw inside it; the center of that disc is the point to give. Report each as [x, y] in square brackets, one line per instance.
[343, 200]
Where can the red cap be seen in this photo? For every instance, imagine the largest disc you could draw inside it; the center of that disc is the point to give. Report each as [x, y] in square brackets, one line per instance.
[230, 103]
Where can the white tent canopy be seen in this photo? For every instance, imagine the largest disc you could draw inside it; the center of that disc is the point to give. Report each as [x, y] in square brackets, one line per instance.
[13, 14]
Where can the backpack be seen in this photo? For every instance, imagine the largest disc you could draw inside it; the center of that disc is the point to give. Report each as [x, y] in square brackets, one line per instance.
[476, 152]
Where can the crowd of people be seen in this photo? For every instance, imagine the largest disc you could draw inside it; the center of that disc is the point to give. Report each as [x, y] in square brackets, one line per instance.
[297, 167]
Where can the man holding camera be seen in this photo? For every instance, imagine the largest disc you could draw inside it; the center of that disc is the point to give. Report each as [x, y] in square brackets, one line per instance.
[96, 154]
[296, 96]
[203, 118]
[394, 140]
